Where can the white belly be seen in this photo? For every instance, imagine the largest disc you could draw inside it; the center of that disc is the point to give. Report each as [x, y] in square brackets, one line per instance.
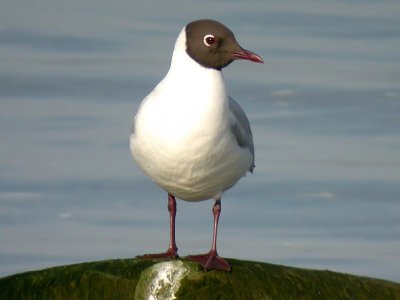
[194, 159]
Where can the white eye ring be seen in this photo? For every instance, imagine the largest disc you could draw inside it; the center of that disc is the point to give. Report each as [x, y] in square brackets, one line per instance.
[209, 39]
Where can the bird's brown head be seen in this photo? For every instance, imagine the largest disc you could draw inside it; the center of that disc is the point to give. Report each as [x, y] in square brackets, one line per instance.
[213, 45]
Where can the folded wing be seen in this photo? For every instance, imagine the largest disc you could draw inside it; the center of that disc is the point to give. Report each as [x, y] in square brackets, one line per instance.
[240, 128]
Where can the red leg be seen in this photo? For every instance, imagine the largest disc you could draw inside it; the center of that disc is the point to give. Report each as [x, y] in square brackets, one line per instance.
[172, 251]
[211, 260]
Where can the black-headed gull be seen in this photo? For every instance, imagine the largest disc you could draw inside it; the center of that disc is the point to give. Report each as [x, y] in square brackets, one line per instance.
[188, 135]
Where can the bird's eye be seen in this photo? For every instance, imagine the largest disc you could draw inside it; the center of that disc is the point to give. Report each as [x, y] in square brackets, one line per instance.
[209, 39]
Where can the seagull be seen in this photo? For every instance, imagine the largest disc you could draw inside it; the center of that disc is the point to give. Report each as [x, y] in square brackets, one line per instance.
[188, 135]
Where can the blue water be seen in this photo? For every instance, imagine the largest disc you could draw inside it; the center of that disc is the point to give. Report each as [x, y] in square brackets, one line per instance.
[324, 108]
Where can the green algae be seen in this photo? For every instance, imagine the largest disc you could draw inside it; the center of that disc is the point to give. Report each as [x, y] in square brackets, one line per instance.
[181, 279]
[253, 280]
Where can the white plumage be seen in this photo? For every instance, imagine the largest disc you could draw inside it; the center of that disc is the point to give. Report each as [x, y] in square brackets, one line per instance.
[185, 136]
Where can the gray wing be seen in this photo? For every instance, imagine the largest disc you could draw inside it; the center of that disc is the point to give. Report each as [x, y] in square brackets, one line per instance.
[240, 128]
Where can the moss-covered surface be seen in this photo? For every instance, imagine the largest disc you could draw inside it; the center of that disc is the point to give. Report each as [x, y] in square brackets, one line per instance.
[119, 279]
[252, 280]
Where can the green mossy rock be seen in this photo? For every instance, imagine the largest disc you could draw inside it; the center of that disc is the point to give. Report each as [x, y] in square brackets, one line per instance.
[181, 279]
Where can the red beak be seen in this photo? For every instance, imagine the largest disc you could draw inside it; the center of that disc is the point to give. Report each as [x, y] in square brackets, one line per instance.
[247, 55]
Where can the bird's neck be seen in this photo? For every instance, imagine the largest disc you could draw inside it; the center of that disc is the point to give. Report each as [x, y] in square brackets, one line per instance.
[191, 77]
